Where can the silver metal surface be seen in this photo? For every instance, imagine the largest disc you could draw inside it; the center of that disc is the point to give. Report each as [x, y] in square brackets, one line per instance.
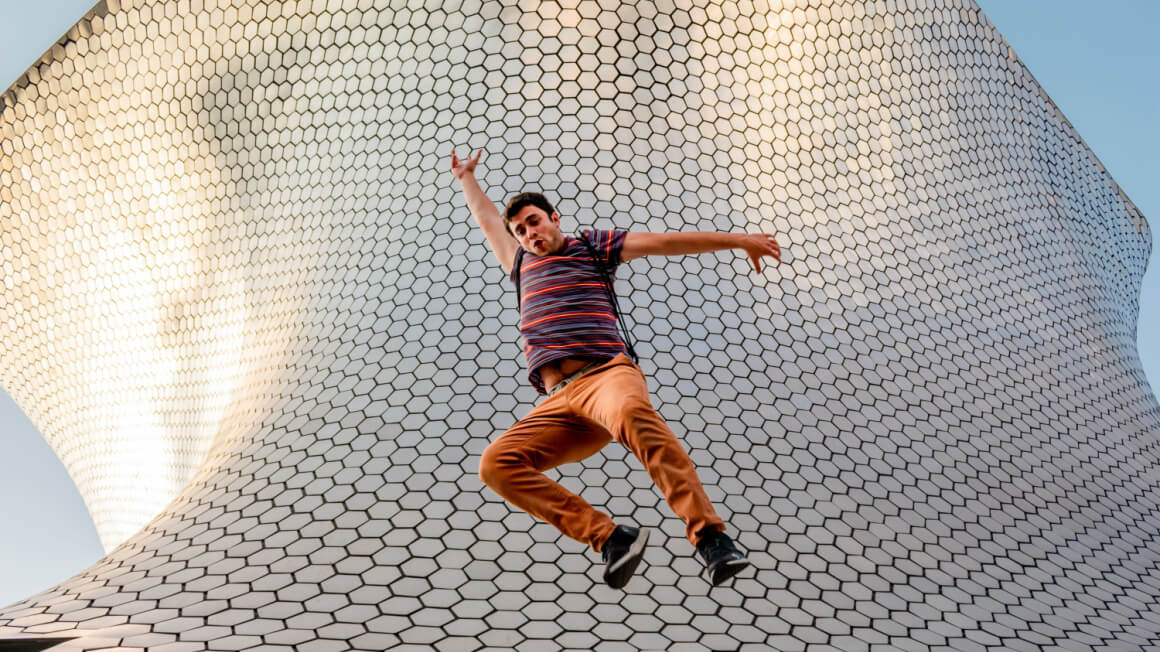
[244, 302]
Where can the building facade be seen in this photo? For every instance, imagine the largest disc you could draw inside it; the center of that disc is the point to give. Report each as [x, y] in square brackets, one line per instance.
[249, 310]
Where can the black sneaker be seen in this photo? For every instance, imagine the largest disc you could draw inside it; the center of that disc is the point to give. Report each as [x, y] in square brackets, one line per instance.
[622, 553]
[722, 559]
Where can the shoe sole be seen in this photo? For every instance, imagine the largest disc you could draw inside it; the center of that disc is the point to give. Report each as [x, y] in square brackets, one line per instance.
[725, 571]
[620, 572]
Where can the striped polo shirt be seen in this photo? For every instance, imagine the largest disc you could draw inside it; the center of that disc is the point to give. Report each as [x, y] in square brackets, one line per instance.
[565, 310]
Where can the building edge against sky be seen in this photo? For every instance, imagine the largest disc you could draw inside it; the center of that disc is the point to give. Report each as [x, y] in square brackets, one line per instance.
[224, 218]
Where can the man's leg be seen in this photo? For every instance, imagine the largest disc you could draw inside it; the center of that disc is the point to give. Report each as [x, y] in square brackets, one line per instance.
[547, 437]
[616, 397]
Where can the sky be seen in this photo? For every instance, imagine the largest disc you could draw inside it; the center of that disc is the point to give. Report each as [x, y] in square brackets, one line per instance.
[1099, 62]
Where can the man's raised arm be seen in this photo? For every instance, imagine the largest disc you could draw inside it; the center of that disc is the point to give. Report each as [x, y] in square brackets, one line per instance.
[755, 245]
[503, 245]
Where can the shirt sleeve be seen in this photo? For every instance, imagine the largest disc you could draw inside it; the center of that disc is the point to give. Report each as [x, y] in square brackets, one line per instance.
[608, 245]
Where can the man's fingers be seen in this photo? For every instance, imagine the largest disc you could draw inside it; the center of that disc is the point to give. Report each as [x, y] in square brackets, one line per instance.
[775, 248]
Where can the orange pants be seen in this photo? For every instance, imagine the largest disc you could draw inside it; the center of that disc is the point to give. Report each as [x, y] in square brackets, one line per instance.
[609, 402]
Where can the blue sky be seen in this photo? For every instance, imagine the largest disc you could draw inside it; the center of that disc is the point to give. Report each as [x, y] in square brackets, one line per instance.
[1100, 62]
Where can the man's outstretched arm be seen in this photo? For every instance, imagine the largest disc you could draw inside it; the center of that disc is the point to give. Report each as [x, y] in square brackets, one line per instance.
[755, 245]
[503, 244]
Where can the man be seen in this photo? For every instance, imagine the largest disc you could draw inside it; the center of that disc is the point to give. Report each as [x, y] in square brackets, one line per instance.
[595, 392]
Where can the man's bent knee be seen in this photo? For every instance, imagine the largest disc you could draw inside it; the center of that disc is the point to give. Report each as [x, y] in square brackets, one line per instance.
[496, 466]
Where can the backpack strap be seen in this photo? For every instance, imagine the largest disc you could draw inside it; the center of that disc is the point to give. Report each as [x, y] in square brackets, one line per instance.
[621, 322]
[516, 271]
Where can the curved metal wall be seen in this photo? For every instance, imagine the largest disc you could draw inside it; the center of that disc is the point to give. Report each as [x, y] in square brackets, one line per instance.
[246, 306]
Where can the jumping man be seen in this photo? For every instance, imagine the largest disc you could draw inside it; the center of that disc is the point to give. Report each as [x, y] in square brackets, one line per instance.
[595, 393]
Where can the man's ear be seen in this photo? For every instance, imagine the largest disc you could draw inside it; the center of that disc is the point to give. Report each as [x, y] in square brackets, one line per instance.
[555, 217]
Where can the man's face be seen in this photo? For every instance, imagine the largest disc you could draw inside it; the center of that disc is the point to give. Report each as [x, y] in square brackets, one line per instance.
[538, 232]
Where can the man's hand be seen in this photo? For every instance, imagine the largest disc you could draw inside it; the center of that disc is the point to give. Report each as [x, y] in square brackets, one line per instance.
[761, 244]
[460, 168]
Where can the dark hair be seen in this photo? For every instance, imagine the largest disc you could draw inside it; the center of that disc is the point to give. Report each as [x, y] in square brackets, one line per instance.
[517, 203]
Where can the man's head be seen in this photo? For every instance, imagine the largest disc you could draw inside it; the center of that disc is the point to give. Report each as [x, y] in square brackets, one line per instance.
[531, 218]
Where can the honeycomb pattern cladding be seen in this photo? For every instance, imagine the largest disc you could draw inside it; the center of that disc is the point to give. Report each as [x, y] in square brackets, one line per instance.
[245, 303]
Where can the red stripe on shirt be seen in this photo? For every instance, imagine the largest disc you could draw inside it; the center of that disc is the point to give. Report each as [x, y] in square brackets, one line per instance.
[566, 315]
[563, 287]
